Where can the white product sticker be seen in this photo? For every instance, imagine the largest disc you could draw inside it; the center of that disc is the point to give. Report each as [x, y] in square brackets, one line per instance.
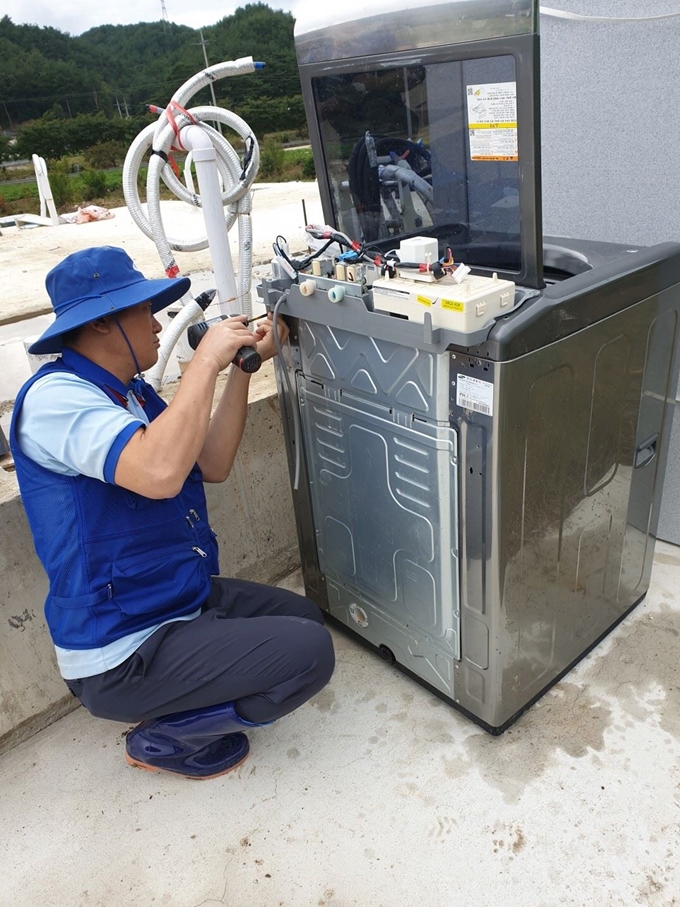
[471, 393]
[492, 121]
[390, 293]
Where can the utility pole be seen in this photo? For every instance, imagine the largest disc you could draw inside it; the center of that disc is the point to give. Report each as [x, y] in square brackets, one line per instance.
[204, 44]
[164, 15]
[9, 118]
[118, 106]
[127, 112]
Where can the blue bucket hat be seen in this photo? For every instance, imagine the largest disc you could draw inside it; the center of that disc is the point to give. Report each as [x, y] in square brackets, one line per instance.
[96, 282]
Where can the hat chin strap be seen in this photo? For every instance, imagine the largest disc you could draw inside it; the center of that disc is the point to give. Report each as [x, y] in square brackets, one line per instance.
[132, 352]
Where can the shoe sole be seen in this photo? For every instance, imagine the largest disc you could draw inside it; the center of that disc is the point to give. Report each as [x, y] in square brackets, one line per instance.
[152, 768]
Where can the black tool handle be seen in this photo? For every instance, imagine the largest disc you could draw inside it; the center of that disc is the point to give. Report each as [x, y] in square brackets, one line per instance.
[247, 358]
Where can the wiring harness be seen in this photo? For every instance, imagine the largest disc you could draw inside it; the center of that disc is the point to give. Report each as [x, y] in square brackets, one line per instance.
[357, 252]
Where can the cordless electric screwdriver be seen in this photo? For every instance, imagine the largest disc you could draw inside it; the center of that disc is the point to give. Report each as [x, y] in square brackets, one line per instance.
[247, 358]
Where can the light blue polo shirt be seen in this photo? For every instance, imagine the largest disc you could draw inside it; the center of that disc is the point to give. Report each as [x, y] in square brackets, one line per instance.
[71, 427]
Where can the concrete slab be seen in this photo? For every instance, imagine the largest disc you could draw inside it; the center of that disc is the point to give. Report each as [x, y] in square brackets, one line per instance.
[26, 255]
[377, 794]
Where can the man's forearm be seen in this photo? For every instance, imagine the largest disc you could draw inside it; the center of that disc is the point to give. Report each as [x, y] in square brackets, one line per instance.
[156, 461]
[226, 428]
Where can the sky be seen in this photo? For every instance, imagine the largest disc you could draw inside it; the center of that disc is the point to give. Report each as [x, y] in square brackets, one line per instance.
[78, 16]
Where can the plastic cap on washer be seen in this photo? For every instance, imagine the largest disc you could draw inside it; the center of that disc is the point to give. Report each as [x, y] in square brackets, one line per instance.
[336, 294]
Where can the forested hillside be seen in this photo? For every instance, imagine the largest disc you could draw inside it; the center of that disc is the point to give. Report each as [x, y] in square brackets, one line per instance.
[58, 91]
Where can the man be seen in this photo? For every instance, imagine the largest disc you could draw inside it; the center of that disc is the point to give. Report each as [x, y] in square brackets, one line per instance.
[112, 483]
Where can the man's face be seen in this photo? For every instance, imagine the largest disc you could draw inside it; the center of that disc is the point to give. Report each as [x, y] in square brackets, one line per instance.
[142, 328]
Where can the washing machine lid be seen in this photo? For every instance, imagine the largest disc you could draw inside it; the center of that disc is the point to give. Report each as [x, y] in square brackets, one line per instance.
[328, 32]
[425, 122]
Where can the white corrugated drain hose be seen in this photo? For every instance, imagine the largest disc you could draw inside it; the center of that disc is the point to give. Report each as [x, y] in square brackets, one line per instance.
[237, 178]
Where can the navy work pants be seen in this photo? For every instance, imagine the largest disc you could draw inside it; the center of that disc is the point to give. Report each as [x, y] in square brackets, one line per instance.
[262, 647]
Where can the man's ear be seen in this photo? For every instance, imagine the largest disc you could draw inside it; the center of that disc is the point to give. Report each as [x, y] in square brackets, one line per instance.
[101, 325]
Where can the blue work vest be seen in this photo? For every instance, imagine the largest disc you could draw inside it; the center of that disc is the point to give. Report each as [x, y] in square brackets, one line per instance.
[117, 562]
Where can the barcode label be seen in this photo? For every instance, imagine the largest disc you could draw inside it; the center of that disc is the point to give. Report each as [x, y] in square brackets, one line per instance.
[471, 393]
[469, 403]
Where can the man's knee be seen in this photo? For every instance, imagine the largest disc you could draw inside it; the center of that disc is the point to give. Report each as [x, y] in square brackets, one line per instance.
[300, 606]
[316, 648]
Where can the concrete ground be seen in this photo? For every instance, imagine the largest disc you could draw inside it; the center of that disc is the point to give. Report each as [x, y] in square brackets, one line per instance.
[378, 794]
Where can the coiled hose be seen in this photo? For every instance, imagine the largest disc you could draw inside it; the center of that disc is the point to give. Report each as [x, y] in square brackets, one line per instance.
[237, 178]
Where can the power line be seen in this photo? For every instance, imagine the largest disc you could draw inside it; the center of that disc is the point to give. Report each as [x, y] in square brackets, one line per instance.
[79, 94]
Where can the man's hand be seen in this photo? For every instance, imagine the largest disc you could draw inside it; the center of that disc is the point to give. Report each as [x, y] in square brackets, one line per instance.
[264, 335]
[224, 339]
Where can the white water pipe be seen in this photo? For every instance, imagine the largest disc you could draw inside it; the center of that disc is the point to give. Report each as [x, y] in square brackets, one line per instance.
[189, 177]
[198, 142]
[174, 335]
[235, 197]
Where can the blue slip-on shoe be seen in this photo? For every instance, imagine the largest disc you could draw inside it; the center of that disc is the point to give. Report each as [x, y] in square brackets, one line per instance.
[155, 752]
[201, 744]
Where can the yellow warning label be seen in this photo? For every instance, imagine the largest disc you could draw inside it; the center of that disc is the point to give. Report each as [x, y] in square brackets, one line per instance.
[453, 304]
[424, 300]
[492, 126]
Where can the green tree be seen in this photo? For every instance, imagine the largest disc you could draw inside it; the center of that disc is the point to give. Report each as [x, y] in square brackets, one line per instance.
[114, 71]
[93, 184]
[45, 137]
[5, 148]
[106, 154]
[271, 159]
[61, 185]
[274, 114]
[55, 136]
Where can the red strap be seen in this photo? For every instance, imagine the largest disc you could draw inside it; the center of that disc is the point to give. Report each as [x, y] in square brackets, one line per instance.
[170, 114]
[119, 398]
[175, 166]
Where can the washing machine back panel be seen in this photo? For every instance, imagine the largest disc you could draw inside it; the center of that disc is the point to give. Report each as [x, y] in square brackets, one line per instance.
[384, 504]
[376, 371]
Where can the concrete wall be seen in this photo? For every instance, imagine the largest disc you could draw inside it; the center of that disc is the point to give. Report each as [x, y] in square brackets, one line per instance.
[610, 139]
[610, 131]
[251, 512]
